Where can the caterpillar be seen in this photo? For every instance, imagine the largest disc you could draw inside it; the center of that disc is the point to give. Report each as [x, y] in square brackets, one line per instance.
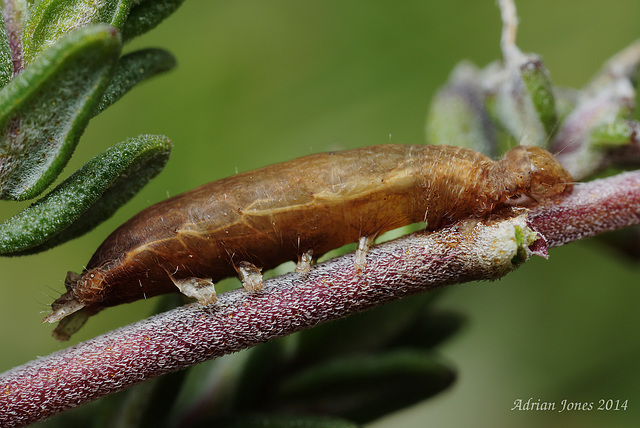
[300, 209]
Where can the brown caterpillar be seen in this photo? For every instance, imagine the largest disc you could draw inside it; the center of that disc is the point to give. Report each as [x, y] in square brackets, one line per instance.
[295, 209]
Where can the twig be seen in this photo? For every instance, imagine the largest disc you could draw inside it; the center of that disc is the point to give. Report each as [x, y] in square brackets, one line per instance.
[465, 251]
[509, 16]
[13, 16]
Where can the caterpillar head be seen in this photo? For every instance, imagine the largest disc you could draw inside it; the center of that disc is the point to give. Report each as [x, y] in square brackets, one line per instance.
[539, 175]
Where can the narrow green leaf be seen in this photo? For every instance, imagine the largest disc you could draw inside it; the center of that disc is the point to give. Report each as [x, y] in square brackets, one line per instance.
[614, 134]
[145, 405]
[52, 19]
[88, 197]
[260, 372]
[429, 331]
[131, 70]
[6, 64]
[538, 83]
[45, 109]
[364, 388]
[146, 15]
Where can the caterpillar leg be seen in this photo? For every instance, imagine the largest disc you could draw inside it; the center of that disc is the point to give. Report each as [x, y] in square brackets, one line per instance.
[72, 323]
[361, 252]
[202, 289]
[66, 304]
[250, 275]
[304, 263]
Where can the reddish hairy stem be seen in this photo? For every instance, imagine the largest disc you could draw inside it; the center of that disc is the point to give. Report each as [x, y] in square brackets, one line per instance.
[593, 208]
[191, 334]
[13, 24]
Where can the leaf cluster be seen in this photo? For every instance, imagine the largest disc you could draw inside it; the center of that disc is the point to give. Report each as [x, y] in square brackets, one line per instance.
[60, 65]
[514, 101]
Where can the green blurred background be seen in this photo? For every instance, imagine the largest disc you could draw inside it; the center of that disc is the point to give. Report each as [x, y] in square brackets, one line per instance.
[260, 82]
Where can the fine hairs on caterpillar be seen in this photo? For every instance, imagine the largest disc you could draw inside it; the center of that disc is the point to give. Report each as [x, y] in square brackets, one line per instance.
[298, 210]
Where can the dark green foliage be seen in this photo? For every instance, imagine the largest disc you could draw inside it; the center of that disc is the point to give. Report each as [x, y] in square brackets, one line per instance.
[45, 109]
[87, 198]
[6, 64]
[358, 368]
[69, 70]
[283, 421]
[146, 15]
[49, 20]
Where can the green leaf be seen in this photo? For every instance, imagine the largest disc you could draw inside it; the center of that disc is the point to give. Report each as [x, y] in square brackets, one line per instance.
[145, 405]
[260, 372]
[6, 63]
[52, 19]
[146, 15]
[614, 134]
[131, 70]
[45, 109]
[538, 83]
[88, 197]
[430, 330]
[364, 388]
[521, 98]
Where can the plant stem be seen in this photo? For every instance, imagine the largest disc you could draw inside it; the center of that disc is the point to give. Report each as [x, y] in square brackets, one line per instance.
[13, 17]
[465, 251]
